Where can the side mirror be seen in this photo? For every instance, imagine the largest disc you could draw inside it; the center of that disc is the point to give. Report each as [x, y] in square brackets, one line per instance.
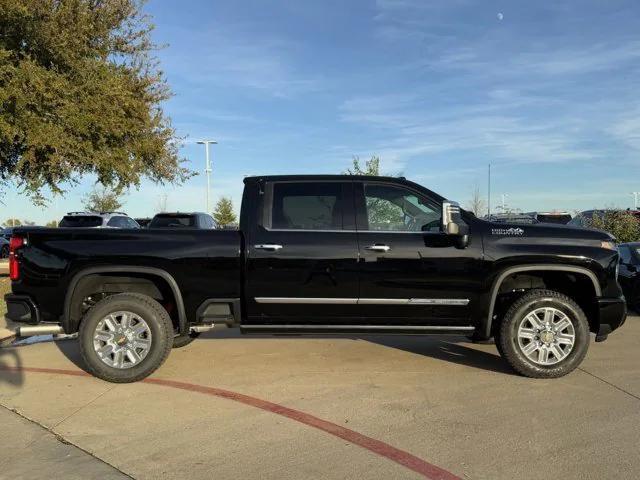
[452, 223]
[631, 267]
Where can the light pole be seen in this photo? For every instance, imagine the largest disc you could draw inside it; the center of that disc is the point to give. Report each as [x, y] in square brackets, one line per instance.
[489, 194]
[207, 169]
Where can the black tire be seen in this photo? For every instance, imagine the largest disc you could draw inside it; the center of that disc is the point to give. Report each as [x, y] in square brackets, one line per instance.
[509, 346]
[184, 340]
[160, 326]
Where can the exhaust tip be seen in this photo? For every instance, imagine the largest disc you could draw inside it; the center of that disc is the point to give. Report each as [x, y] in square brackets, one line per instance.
[31, 330]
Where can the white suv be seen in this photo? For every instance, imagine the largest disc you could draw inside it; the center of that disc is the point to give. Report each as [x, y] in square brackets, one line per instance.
[97, 220]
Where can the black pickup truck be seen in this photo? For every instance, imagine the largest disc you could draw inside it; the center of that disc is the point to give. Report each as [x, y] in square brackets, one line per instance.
[321, 254]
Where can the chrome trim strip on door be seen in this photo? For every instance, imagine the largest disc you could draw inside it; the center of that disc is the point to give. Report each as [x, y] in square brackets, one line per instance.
[365, 301]
[335, 301]
[424, 328]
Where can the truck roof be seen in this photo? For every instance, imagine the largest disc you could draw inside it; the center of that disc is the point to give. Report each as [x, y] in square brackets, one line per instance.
[285, 178]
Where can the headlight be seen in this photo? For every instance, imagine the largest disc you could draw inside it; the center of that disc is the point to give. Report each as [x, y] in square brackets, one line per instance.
[608, 244]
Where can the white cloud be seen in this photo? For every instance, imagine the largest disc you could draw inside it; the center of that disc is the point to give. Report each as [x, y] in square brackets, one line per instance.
[230, 56]
[627, 129]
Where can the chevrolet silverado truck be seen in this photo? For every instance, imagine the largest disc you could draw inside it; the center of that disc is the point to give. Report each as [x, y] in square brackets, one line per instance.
[321, 254]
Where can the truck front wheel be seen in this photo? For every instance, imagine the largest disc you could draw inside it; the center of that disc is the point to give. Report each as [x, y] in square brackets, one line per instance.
[544, 334]
[125, 337]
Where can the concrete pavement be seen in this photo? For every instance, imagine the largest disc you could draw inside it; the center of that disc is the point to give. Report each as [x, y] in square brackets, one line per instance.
[35, 452]
[449, 403]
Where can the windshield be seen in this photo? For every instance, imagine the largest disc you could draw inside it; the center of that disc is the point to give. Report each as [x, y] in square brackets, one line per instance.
[173, 221]
[81, 221]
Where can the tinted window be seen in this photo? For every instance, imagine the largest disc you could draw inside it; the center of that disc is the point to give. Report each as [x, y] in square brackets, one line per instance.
[80, 221]
[208, 222]
[173, 221]
[117, 222]
[307, 206]
[625, 254]
[131, 223]
[551, 218]
[395, 209]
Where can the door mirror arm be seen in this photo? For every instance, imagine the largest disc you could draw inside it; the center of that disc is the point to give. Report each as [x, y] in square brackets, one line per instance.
[453, 224]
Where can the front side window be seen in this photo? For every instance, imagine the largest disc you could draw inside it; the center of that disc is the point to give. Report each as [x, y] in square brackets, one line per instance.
[306, 206]
[625, 255]
[396, 209]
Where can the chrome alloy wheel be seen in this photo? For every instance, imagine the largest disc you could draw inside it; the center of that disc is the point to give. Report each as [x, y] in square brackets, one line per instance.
[122, 339]
[546, 336]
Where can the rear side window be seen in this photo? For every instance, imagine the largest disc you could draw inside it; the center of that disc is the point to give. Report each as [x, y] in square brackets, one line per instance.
[306, 206]
[81, 221]
[117, 222]
[173, 221]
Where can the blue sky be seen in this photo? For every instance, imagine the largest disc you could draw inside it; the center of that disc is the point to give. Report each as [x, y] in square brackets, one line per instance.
[545, 91]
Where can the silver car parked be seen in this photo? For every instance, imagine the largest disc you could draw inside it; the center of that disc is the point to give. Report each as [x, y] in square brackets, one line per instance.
[97, 220]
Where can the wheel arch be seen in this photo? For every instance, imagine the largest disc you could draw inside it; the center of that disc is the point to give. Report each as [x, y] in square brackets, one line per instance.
[70, 319]
[506, 273]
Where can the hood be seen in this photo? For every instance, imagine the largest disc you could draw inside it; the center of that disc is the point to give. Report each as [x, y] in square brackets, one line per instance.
[545, 230]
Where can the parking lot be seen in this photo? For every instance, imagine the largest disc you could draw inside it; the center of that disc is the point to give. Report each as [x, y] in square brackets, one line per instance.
[230, 406]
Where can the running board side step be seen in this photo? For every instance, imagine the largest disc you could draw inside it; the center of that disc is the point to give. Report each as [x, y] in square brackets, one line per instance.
[359, 329]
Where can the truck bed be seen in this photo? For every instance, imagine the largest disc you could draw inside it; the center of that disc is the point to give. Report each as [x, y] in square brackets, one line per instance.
[202, 262]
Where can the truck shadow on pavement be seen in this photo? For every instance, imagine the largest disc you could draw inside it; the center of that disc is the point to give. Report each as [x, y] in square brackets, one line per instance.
[453, 349]
[11, 367]
[449, 349]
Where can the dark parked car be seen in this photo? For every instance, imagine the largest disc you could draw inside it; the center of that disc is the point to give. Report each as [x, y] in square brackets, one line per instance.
[4, 248]
[97, 220]
[325, 254]
[196, 220]
[143, 222]
[6, 233]
[629, 273]
[519, 218]
[561, 218]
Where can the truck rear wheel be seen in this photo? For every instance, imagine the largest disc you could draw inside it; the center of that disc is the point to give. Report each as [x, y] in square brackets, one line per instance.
[125, 337]
[544, 334]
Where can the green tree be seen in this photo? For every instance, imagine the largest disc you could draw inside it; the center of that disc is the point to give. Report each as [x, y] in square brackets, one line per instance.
[52, 224]
[102, 199]
[379, 211]
[371, 166]
[224, 214]
[477, 203]
[11, 222]
[621, 224]
[81, 94]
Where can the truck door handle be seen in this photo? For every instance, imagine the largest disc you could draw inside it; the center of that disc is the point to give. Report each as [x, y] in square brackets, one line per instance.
[378, 248]
[272, 247]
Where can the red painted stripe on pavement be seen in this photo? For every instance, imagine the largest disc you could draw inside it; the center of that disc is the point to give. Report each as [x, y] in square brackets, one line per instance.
[418, 465]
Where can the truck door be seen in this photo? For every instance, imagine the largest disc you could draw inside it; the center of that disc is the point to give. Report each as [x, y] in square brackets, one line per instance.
[410, 271]
[302, 252]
